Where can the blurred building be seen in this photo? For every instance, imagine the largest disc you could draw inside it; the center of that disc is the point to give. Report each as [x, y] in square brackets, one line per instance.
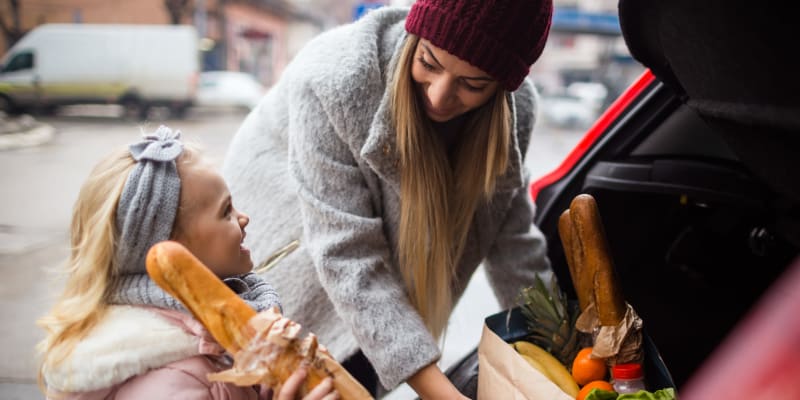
[585, 45]
[261, 36]
[254, 36]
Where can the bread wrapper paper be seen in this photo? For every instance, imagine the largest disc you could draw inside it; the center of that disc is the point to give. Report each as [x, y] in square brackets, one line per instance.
[276, 350]
[618, 344]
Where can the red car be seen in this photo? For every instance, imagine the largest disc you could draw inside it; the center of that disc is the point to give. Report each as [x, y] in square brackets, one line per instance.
[696, 174]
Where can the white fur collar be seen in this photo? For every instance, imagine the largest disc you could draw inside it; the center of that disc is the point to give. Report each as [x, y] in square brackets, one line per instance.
[127, 342]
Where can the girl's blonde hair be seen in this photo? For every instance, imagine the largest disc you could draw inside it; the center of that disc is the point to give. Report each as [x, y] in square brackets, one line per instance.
[439, 195]
[90, 272]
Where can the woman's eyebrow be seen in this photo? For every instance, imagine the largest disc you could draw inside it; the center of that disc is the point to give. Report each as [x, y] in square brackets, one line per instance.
[478, 78]
[430, 53]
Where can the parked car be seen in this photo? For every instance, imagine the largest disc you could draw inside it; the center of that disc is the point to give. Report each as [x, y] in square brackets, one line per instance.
[230, 89]
[695, 172]
[566, 111]
[594, 93]
[136, 66]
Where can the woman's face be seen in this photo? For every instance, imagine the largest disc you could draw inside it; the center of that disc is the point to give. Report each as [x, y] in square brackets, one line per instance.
[208, 224]
[447, 85]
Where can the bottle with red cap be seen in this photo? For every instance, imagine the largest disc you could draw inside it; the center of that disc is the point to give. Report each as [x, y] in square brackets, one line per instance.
[627, 378]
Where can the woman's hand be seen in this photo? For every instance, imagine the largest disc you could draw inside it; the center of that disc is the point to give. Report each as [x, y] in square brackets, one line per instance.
[323, 391]
[431, 384]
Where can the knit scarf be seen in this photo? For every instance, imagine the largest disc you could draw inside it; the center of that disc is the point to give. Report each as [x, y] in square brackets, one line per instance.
[139, 289]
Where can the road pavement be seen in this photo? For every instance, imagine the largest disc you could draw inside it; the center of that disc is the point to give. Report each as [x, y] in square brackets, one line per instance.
[40, 183]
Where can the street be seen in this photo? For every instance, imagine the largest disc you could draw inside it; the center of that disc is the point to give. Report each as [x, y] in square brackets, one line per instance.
[41, 183]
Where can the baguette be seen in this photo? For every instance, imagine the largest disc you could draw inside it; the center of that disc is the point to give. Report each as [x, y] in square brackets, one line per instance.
[266, 346]
[583, 286]
[596, 260]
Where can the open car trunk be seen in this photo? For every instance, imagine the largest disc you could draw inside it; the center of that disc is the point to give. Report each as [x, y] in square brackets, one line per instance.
[698, 181]
[696, 238]
[697, 178]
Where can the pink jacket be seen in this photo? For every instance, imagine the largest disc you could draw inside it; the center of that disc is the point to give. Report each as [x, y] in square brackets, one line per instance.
[145, 353]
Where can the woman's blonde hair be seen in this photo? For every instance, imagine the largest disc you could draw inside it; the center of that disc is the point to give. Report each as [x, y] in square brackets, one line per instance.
[90, 272]
[439, 194]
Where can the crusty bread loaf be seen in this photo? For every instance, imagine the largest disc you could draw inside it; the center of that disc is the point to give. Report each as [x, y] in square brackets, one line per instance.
[581, 280]
[266, 346]
[182, 275]
[596, 259]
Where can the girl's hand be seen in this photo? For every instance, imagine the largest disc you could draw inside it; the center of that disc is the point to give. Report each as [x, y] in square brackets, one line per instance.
[323, 391]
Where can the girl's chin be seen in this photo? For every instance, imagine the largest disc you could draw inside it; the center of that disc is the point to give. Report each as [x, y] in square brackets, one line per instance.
[246, 261]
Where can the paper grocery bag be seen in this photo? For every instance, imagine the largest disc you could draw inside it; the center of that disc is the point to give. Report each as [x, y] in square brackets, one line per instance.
[504, 374]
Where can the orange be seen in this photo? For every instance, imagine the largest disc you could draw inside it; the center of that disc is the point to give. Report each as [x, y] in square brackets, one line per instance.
[602, 385]
[586, 369]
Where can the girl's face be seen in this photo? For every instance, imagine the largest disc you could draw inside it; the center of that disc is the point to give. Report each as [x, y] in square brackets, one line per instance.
[447, 85]
[208, 225]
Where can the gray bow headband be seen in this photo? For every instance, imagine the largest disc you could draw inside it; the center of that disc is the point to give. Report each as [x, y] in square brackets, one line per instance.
[149, 200]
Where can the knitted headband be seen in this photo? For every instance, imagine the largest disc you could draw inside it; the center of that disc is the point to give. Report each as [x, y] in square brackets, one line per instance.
[149, 200]
[501, 37]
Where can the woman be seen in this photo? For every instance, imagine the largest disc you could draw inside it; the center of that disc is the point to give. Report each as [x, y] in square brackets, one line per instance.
[391, 150]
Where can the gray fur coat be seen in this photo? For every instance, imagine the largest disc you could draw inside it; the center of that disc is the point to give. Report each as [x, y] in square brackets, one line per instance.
[315, 162]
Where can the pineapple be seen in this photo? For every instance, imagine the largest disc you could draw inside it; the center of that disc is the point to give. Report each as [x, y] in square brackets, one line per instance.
[551, 319]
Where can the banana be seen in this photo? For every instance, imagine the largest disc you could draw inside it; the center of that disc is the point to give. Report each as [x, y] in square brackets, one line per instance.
[536, 365]
[556, 371]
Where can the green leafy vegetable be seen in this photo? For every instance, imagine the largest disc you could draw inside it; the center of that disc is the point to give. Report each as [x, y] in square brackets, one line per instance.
[663, 394]
[600, 394]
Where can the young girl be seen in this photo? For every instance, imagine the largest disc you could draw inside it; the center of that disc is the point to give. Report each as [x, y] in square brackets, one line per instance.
[113, 333]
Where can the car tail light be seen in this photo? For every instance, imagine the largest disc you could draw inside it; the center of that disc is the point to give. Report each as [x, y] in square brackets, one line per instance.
[600, 126]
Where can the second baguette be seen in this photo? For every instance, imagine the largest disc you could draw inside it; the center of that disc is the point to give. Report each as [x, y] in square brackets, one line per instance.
[581, 281]
[597, 260]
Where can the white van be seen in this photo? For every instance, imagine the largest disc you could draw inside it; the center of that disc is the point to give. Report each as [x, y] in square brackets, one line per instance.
[136, 66]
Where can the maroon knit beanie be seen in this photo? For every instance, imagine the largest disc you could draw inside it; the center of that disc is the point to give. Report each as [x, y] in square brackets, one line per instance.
[501, 37]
